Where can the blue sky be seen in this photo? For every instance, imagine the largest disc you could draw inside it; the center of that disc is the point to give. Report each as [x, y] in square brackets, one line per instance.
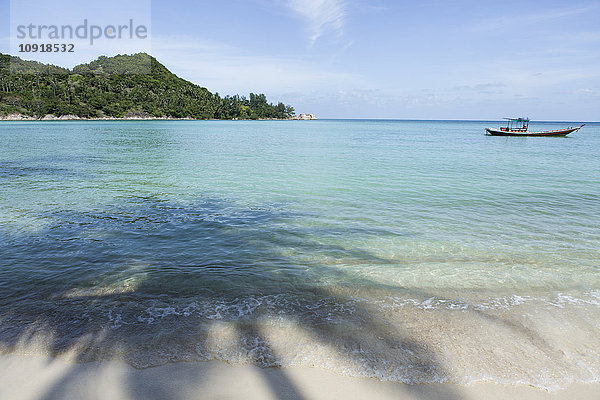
[388, 59]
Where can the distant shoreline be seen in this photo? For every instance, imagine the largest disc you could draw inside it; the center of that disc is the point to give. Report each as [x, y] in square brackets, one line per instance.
[17, 117]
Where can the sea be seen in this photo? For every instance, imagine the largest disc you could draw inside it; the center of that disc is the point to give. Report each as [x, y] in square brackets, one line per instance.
[405, 251]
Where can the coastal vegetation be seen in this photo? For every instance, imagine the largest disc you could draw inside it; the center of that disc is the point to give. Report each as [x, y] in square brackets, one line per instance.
[117, 87]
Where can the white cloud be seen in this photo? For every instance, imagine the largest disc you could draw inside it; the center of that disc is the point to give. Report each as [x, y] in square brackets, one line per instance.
[587, 92]
[322, 16]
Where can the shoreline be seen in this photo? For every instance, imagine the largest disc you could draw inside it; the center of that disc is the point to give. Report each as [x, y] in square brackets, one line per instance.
[60, 378]
[17, 117]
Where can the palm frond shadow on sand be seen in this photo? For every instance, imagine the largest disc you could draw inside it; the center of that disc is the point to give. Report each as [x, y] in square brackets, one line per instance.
[201, 243]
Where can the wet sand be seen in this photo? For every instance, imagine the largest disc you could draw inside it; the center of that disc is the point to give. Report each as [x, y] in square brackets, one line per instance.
[28, 377]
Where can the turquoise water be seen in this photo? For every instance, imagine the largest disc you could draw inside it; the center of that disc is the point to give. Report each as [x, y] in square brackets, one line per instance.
[413, 251]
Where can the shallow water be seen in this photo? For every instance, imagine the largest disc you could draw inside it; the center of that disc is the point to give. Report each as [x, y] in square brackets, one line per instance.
[413, 251]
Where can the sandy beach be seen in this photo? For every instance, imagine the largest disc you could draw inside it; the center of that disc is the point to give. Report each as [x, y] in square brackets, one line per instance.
[27, 377]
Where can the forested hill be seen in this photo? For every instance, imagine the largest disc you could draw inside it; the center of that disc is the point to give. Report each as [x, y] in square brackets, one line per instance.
[117, 87]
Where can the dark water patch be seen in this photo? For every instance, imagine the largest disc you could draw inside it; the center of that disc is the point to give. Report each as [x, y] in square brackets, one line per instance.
[209, 245]
[18, 170]
[54, 167]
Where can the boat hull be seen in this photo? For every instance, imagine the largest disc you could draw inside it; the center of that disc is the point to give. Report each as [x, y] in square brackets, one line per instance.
[559, 132]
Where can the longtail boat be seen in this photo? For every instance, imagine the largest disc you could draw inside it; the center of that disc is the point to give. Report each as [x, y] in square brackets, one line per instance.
[520, 127]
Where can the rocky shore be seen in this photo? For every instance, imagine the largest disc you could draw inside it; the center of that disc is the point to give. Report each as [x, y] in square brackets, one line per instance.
[304, 116]
[52, 117]
[130, 116]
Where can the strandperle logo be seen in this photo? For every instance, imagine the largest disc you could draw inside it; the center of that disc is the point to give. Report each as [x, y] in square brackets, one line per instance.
[85, 30]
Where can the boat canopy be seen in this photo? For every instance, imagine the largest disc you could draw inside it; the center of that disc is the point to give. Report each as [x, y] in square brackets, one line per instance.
[518, 119]
[516, 124]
